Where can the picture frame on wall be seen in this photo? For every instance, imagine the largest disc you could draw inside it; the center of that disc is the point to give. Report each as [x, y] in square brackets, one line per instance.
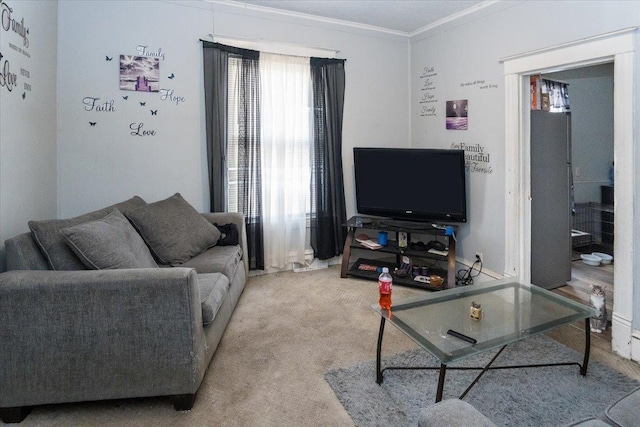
[139, 73]
[457, 114]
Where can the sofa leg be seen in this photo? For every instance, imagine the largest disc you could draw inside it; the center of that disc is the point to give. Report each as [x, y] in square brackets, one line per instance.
[184, 402]
[14, 415]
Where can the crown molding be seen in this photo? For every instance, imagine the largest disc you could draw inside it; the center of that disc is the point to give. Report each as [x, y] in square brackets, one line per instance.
[299, 15]
[450, 18]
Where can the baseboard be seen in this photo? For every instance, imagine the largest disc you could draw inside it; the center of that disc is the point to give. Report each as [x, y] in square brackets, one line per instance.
[315, 264]
[621, 333]
[635, 345]
[486, 274]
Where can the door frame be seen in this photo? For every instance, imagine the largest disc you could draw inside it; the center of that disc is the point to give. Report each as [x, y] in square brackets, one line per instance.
[616, 47]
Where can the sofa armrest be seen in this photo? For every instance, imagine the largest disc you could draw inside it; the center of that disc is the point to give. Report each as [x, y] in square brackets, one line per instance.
[452, 413]
[89, 335]
[222, 218]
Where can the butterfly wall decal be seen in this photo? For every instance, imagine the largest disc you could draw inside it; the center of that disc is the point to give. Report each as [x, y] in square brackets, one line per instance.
[107, 58]
[125, 97]
[172, 76]
[93, 123]
[154, 112]
[1, 56]
[142, 104]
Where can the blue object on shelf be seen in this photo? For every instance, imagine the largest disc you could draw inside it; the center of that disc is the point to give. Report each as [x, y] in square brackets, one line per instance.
[382, 238]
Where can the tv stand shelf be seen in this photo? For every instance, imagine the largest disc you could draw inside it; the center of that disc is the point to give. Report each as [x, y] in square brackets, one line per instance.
[404, 281]
[395, 227]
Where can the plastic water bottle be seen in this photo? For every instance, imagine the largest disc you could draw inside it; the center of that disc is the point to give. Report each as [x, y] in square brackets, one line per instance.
[385, 285]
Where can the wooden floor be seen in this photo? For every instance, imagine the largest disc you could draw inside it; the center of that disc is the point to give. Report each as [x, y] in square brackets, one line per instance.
[579, 288]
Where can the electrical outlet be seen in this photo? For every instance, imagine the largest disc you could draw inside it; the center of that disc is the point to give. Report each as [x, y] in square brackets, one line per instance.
[479, 256]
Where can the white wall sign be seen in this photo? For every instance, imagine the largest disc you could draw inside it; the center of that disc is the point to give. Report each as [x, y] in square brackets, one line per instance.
[9, 78]
[476, 157]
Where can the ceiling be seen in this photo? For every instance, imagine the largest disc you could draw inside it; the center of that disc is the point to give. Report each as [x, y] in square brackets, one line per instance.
[402, 16]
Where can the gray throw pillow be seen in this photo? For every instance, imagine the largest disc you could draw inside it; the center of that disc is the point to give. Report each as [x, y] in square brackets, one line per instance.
[173, 229]
[54, 247]
[109, 243]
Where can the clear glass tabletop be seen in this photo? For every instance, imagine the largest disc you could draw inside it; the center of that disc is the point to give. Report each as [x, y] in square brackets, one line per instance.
[511, 311]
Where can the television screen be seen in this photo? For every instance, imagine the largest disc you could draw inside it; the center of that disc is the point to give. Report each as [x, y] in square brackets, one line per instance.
[411, 184]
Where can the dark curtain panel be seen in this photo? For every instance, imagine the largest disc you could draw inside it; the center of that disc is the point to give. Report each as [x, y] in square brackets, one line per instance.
[215, 102]
[249, 165]
[329, 212]
[216, 64]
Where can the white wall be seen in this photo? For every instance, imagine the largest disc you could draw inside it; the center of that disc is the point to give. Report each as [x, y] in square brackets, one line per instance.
[103, 164]
[466, 55]
[27, 116]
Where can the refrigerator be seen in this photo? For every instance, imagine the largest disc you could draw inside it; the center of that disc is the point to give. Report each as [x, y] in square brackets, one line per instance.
[551, 199]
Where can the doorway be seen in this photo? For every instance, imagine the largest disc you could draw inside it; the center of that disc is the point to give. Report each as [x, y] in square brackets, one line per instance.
[616, 47]
[592, 153]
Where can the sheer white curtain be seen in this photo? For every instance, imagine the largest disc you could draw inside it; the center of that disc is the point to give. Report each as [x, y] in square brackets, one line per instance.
[286, 133]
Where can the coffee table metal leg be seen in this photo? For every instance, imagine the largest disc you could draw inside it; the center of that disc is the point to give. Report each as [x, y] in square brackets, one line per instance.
[379, 352]
[587, 346]
[443, 371]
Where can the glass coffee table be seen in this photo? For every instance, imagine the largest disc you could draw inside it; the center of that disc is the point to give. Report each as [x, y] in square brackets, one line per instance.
[511, 311]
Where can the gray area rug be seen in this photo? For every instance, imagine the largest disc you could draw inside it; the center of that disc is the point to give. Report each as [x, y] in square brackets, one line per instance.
[548, 396]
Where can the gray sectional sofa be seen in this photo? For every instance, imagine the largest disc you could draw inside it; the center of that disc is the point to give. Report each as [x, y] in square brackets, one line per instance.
[128, 301]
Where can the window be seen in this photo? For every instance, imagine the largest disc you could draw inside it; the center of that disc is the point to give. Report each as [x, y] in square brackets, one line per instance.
[232, 133]
[261, 126]
[290, 130]
[286, 124]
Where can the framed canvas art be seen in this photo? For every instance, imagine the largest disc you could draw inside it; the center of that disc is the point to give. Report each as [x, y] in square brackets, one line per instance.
[139, 73]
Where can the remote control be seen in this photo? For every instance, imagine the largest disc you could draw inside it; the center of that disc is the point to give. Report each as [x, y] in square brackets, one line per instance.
[462, 336]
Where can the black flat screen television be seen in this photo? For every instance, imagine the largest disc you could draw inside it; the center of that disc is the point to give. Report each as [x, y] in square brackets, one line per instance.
[411, 184]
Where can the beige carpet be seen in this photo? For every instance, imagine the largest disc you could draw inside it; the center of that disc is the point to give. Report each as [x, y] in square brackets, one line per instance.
[287, 331]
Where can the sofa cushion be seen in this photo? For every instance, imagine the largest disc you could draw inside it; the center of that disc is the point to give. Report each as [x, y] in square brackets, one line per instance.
[219, 259]
[213, 290]
[53, 245]
[109, 243]
[625, 411]
[23, 253]
[173, 229]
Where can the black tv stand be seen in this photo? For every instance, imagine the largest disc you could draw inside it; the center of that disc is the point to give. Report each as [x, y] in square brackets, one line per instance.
[395, 227]
[406, 225]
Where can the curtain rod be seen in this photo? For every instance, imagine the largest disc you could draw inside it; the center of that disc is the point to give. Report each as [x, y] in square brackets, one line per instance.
[250, 53]
[272, 46]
